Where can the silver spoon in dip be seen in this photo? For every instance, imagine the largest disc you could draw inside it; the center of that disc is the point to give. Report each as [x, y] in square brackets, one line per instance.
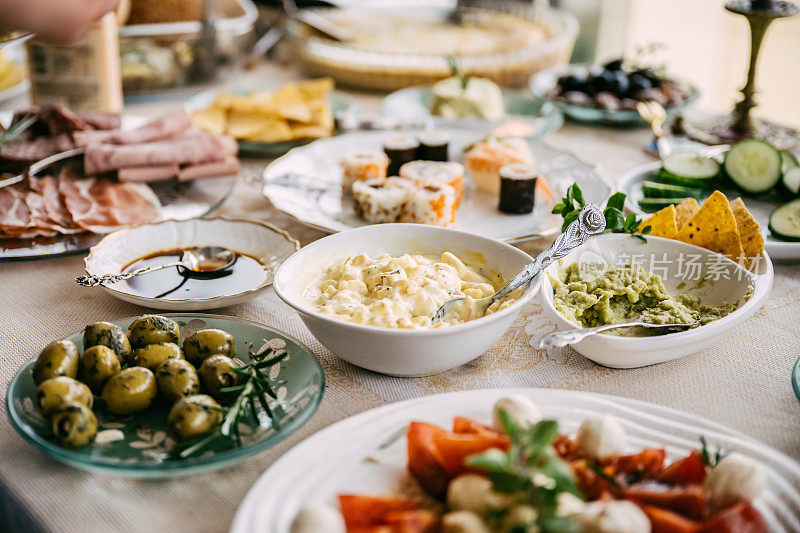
[559, 339]
[201, 262]
[590, 222]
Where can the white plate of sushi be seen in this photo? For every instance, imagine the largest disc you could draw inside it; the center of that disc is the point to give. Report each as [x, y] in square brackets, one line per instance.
[363, 178]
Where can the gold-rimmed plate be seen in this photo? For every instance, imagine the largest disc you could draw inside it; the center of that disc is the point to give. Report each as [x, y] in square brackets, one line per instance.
[267, 245]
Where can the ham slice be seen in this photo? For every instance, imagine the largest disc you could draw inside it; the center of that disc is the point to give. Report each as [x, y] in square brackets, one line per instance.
[170, 125]
[14, 212]
[101, 205]
[29, 151]
[55, 208]
[144, 174]
[190, 149]
[225, 167]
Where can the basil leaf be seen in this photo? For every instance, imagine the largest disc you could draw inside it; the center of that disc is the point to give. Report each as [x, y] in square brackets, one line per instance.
[616, 201]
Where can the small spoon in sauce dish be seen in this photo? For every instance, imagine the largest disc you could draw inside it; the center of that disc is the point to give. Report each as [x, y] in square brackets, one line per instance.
[559, 339]
[590, 222]
[201, 262]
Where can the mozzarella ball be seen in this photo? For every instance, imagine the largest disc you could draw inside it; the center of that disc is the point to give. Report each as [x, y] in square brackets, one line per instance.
[463, 522]
[613, 517]
[519, 408]
[520, 516]
[735, 478]
[471, 492]
[602, 437]
[567, 504]
[318, 517]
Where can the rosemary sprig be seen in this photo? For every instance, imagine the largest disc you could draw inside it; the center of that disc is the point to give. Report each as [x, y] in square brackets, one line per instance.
[257, 390]
[616, 221]
[18, 125]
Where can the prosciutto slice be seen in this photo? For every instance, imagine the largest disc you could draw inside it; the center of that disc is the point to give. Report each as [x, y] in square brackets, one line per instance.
[102, 205]
[170, 125]
[186, 150]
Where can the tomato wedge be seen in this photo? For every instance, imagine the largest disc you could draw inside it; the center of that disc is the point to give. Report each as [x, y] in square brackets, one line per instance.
[425, 461]
[467, 425]
[362, 511]
[643, 465]
[687, 471]
[740, 517]
[665, 521]
[689, 501]
[419, 521]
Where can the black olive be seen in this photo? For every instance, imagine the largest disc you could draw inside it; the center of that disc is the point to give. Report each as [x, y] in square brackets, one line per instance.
[614, 65]
[651, 75]
[639, 83]
[571, 83]
[618, 83]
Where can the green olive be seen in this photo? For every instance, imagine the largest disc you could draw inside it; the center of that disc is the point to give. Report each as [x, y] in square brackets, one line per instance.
[98, 364]
[130, 391]
[207, 342]
[216, 373]
[74, 425]
[152, 355]
[54, 393]
[192, 417]
[176, 378]
[107, 334]
[153, 329]
[59, 358]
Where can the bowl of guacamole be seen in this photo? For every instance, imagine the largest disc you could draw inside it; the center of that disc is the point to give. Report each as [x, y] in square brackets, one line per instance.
[617, 278]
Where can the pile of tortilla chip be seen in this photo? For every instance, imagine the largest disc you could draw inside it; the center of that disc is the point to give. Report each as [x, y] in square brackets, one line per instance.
[295, 111]
[724, 227]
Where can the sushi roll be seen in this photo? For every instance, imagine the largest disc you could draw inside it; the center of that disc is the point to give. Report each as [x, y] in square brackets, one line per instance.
[433, 146]
[436, 173]
[433, 204]
[359, 166]
[400, 150]
[517, 189]
[380, 200]
[486, 158]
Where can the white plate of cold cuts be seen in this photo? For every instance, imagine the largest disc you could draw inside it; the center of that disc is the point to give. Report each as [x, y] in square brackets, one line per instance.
[323, 183]
[108, 172]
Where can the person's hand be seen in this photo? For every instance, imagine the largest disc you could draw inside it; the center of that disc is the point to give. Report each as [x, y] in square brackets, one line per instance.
[53, 21]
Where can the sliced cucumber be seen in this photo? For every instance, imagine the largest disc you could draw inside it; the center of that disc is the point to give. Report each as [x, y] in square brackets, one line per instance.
[652, 189]
[691, 165]
[662, 176]
[788, 160]
[791, 180]
[651, 205]
[784, 222]
[753, 165]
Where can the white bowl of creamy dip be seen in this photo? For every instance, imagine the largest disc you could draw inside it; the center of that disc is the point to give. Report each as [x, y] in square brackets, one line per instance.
[693, 281]
[368, 294]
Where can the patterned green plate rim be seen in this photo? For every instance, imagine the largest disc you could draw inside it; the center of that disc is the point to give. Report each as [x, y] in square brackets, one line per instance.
[144, 452]
[796, 378]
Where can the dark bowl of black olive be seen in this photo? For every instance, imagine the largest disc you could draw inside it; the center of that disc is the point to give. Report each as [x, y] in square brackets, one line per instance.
[608, 93]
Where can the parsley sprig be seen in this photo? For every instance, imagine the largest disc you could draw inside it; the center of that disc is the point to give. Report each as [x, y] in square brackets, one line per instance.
[616, 221]
[256, 390]
[455, 71]
[710, 458]
[532, 469]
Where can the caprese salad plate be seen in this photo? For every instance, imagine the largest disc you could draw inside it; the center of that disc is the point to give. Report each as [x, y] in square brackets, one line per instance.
[391, 468]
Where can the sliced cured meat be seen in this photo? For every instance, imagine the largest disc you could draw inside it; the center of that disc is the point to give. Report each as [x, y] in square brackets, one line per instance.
[170, 125]
[226, 167]
[102, 205]
[59, 119]
[29, 151]
[54, 206]
[100, 120]
[144, 174]
[189, 149]
[14, 212]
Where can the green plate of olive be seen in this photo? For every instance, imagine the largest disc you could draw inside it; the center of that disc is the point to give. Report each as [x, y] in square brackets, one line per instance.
[165, 395]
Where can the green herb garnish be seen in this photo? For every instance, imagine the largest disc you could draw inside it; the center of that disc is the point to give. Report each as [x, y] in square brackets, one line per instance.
[531, 468]
[455, 71]
[18, 125]
[616, 221]
[257, 390]
[711, 460]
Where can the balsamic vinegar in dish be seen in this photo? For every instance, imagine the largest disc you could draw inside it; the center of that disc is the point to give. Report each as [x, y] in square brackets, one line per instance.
[179, 283]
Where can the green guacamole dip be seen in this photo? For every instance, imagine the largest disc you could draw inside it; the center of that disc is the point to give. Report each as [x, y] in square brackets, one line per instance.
[600, 297]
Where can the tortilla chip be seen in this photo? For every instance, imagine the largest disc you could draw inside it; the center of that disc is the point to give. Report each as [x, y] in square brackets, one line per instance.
[212, 119]
[714, 228]
[749, 231]
[684, 211]
[662, 223]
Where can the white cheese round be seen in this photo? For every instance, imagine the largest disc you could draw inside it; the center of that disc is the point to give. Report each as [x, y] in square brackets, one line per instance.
[734, 478]
[318, 517]
[602, 437]
[521, 410]
[463, 522]
[613, 517]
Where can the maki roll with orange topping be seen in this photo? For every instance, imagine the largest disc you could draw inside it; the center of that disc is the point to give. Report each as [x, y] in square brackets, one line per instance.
[365, 165]
[380, 200]
[433, 204]
[436, 173]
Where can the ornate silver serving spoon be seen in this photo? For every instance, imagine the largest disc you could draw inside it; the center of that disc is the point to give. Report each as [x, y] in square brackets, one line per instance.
[205, 261]
[559, 339]
[590, 221]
